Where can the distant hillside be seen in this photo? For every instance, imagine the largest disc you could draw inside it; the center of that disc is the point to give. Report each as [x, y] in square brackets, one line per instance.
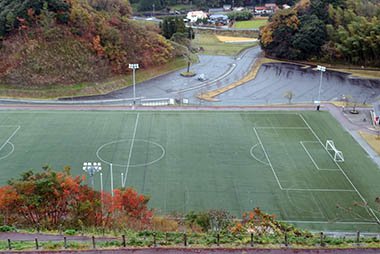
[343, 31]
[71, 41]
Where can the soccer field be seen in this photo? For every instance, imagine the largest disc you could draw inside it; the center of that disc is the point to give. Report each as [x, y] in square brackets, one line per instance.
[207, 160]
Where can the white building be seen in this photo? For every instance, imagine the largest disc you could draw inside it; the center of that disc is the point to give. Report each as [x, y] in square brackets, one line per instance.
[193, 16]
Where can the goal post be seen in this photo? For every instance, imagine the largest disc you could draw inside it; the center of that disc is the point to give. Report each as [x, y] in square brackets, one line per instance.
[330, 147]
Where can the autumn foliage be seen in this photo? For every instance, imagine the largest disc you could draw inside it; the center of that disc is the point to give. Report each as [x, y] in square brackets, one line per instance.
[51, 200]
[67, 42]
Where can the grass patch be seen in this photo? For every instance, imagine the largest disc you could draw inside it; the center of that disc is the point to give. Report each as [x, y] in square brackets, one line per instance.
[372, 140]
[375, 74]
[84, 89]
[249, 24]
[212, 46]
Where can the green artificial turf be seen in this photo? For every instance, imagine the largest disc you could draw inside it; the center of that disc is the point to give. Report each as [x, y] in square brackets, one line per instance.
[206, 160]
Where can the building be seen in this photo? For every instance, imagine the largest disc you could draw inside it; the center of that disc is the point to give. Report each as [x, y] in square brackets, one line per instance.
[267, 9]
[219, 19]
[227, 7]
[271, 8]
[193, 16]
[260, 10]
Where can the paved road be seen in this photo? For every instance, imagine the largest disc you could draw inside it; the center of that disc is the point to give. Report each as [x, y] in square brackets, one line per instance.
[272, 81]
[219, 70]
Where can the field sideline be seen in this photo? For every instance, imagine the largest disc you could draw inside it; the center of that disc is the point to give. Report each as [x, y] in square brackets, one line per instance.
[207, 160]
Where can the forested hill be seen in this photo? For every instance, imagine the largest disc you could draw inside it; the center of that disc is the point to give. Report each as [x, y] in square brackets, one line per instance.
[47, 42]
[342, 31]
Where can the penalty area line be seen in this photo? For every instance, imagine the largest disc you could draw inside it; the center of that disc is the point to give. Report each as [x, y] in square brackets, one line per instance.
[10, 137]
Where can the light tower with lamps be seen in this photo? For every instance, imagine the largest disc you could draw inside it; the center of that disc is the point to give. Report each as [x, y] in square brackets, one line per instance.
[322, 69]
[134, 67]
[92, 169]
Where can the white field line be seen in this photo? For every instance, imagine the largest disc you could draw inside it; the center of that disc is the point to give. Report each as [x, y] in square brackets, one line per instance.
[130, 149]
[10, 137]
[319, 190]
[267, 157]
[311, 158]
[331, 222]
[282, 128]
[293, 189]
[6, 156]
[252, 154]
[344, 173]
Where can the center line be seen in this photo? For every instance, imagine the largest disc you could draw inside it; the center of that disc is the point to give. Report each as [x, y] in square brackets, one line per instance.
[130, 149]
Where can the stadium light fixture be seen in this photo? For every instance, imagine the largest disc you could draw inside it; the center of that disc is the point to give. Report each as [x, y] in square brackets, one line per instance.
[322, 69]
[92, 169]
[134, 67]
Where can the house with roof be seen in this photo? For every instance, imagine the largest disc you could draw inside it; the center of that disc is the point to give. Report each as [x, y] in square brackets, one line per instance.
[193, 16]
[219, 19]
[260, 10]
[271, 8]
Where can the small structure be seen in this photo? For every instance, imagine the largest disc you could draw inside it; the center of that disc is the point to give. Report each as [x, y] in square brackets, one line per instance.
[375, 113]
[238, 9]
[227, 7]
[285, 6]
[271, 8]
[193, 16]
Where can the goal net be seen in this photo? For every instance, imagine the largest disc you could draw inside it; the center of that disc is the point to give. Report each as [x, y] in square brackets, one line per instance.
[337, 155]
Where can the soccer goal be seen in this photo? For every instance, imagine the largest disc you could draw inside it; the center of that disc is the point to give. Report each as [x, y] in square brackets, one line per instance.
[338, 155]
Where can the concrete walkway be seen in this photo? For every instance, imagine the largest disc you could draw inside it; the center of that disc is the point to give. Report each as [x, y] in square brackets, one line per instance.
[353, 128]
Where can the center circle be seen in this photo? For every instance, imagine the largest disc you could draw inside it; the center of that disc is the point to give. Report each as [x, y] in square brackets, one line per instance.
[118, 152]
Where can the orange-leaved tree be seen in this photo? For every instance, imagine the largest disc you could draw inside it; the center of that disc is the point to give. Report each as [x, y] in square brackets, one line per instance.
[131, 208]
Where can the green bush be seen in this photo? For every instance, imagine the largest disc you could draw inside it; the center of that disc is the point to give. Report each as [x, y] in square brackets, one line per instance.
[7, 228]
[70, 232]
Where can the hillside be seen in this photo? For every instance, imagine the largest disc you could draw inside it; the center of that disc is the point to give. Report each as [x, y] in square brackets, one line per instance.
[46, 43]
[334, 31]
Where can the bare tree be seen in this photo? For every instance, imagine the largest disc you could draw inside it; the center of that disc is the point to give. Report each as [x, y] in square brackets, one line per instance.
[289, 95]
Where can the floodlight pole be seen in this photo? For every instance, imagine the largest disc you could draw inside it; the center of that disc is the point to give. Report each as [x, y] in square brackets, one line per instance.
[111, 173]
[101, 183]
[322, 69]
[91, 169]
[122, 181]
[134, 67]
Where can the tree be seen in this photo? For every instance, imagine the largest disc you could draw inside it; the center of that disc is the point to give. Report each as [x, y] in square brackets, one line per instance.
[51, 199]
[310, 37]
[147, 5]
[133, 207]
[289, 95]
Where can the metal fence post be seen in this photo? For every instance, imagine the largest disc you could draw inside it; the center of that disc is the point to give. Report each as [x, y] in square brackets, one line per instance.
[93, 242]
[358, 237]
[218, 239]
[184, 239]
[286, 240]
[251, 239]
[124, 243]
[65, 242]
[36, 241]
[321, 239]
[9, 244]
